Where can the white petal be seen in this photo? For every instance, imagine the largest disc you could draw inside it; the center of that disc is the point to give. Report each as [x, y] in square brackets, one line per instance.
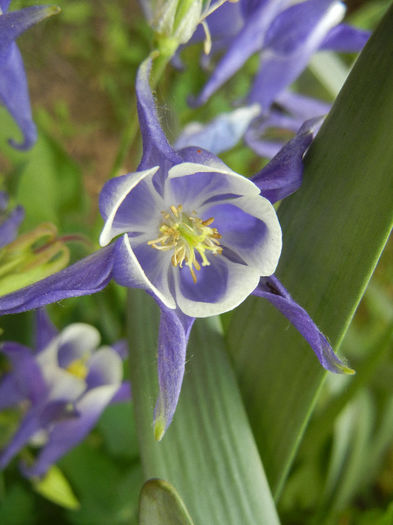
[191, 185]
[129, 272]
[123, 190]
[105, 367]
[81, 339]
[243, 280]
[265, 255]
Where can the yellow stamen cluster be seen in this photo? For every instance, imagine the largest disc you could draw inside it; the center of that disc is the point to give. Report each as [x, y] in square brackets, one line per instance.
[185, 235]
[78, 368]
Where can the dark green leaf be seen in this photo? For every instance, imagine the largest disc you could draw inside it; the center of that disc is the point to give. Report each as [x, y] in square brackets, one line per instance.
[208, 453]
[334, 228]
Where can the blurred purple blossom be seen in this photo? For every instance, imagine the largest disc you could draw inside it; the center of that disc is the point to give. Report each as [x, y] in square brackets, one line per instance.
[66, 382]
[225, 131]
[286, 34]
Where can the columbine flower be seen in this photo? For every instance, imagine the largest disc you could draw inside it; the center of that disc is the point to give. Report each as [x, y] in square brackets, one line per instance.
[66, 383]
[195, 235]
[13, 84]
[286, 34]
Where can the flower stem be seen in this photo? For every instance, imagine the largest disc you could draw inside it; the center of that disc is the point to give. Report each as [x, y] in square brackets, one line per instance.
[127, 139]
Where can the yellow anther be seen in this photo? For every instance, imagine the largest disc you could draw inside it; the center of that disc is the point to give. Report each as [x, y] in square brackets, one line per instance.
[186, 234]
[78, 368]
[175, 210]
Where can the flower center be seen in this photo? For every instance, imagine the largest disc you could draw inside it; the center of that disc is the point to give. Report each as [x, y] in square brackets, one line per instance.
[187, 235]
[78, 368]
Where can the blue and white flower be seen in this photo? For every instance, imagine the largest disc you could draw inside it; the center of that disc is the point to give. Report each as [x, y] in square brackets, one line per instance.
[195, 235]
[66, 382]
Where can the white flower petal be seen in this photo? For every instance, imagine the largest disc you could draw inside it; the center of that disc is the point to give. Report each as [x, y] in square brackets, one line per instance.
[242, 281]
[116, 199]
[129, 272]
[105, 368]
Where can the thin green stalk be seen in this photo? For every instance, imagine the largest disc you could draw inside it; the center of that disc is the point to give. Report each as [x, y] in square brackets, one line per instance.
[127, 140]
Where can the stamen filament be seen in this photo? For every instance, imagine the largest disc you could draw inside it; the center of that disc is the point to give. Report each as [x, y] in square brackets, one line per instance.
[187, 234]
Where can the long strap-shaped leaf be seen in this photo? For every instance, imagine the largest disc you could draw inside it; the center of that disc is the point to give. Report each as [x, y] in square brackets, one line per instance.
[335, 228]
[208, 453]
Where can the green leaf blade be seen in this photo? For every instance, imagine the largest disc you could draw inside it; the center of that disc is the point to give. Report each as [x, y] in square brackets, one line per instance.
[335, 229]
[208, 453]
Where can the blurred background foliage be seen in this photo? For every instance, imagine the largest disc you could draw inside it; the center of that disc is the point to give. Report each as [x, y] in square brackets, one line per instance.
[81, 67]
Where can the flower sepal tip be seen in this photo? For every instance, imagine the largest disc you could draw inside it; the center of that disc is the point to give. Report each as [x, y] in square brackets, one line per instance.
[344, 369]
[159, 428]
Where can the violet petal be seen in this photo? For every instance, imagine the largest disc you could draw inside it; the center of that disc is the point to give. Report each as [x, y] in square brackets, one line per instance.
[26, 376]
[249, 40]
[133, 273]
[220, 134]
[346, 39]
[124, 393]
[44, 330]
[271, 289]
[173, 336]
[4, 5]
[67, 433]
[290, 42]
[127, 203]
[14, 95]
[156, 149]
[105, 368]
[76, 341]
[13, 24]
[284, 173]
[28, 427]
[88, 276]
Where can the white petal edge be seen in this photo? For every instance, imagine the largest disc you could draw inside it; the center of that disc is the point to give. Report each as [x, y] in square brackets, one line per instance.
[108, 364]
[266, 258]
[122, 191]
[63, 385]
[333, 16]
[221, 133]
[141, 279]
[241, 185]
[243, 279]
[84, 337]
[93, 402]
